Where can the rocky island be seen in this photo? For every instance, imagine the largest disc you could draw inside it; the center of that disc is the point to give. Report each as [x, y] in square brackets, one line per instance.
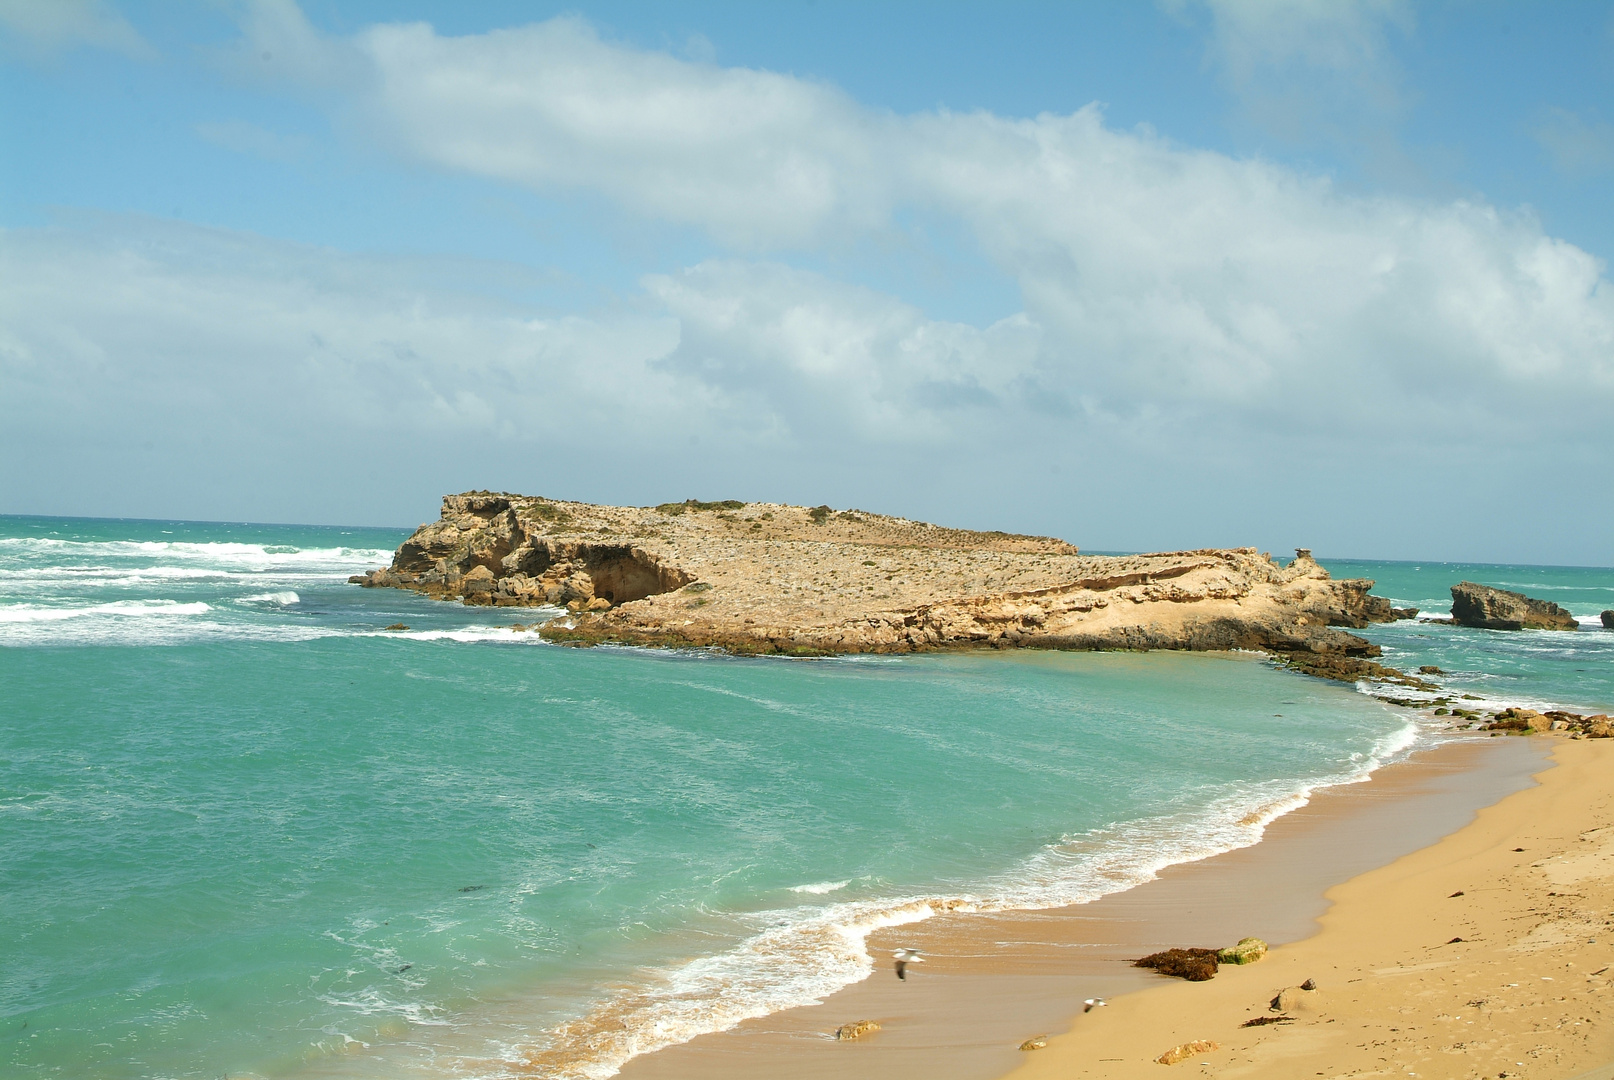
[1488, 608]
[757, 578]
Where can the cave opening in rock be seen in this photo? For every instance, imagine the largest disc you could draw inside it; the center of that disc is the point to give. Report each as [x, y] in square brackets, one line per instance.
[621, 578]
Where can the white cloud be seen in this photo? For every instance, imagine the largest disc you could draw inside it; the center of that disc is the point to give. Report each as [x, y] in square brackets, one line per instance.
[796, 352]
[51, 26]
[258, 377]
[758, 158]
[156, 369]
[1178, 304]
[1313, 72]
[1159, 275]
[1335, 35]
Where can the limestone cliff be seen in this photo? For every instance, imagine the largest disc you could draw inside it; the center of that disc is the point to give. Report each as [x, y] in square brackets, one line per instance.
[766, 578]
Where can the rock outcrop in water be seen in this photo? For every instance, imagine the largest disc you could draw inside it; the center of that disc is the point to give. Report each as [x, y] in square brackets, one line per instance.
[769, 578]
[1608, 620]
[1497, 609]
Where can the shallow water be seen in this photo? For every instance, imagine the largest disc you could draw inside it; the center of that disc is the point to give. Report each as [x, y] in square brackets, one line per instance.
[246, 830]
[1507, 667]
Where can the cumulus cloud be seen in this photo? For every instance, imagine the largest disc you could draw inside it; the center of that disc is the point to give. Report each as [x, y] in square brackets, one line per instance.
[827, 361]
[189, 362]
[1177, 304]
[49, 26]
[1156, 274]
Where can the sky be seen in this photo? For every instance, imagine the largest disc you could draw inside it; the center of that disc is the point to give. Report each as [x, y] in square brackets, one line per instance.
[1145, 276]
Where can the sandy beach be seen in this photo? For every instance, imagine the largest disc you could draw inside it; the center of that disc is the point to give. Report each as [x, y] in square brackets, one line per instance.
[1487, 954]
[1354, 891]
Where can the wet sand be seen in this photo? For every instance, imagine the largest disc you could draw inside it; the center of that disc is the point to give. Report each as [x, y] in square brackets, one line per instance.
[992, 981]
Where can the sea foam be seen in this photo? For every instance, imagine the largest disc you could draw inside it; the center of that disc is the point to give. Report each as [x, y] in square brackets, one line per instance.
[802, 955]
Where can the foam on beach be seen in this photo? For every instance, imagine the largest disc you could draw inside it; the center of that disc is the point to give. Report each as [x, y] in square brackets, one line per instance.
[802, 955]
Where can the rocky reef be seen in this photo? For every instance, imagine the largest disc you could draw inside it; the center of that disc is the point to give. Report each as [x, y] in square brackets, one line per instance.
[770, 578]
[1497, 609]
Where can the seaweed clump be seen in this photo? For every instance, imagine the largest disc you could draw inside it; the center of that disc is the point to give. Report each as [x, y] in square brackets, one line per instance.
[1195, 965]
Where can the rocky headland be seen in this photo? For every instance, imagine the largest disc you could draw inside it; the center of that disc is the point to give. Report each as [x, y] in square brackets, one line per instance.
[756, 578]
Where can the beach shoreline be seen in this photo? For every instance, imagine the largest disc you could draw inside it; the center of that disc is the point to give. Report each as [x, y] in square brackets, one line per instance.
[994, 980]
[1487, 954]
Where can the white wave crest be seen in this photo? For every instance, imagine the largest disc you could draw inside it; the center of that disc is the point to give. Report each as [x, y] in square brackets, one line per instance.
[821, 888]
[281, 598]
[805, 954]
[220, 552]
[466, 634]
[38, 613]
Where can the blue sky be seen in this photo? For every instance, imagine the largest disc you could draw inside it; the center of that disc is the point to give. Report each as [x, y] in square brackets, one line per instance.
[1142, 275]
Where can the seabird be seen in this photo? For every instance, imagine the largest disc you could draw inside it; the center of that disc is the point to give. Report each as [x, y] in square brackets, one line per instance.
[904, 957]
[1092, 1003]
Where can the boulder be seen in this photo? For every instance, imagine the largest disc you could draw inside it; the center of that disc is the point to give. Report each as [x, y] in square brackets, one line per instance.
[1297, 999]
[1186, 1050]
[1608, 620]
[1247, 951]
[1404, 613]
[849, 1032]
[1497, 609]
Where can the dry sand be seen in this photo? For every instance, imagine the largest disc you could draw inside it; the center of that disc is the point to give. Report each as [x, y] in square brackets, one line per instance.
[1381, 958]
[1528, 887]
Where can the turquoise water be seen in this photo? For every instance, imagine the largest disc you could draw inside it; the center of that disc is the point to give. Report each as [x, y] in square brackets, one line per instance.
[1535, 667]
[247, 831]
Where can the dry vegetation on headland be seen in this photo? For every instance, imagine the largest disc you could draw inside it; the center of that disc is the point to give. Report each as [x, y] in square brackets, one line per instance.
[767, 578]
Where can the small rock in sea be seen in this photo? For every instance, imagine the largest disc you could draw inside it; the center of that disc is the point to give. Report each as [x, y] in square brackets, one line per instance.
[1608, 620]
[472, 888]
[1036, 1042]
[398, 626]
[1431, 669]
[1195, 965]
[1247, 951]
[1399, 613]
[1187, 1050]
[1498, 609]
[848, 1032]
[405, 968]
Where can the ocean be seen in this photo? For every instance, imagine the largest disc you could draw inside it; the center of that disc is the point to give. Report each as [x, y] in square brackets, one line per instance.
[247, 830]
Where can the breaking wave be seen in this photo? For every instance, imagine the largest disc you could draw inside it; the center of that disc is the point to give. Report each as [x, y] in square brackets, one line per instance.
[799, 956]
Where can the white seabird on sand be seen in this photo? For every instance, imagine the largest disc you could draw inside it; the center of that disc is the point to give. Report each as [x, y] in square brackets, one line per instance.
[904, 957]
[1092, 1003]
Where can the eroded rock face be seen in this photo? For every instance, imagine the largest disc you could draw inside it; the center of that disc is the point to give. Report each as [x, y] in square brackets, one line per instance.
[769, 578]
[501, 550]
[1497, 609]
[1608, 620]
